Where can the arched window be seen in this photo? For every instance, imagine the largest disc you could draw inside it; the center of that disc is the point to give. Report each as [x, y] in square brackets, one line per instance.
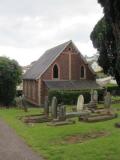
[82, 72]
[55, 72]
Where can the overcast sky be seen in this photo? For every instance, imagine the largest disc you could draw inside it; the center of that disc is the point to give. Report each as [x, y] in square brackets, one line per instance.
[29, 27]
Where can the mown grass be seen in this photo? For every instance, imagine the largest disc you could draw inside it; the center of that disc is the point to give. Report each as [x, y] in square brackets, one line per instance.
[43, 138]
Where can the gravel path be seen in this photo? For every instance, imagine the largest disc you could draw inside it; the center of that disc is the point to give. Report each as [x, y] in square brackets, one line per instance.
[13, 147]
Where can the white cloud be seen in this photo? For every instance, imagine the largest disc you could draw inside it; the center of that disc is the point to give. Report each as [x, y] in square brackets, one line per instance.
[26, 55]
[28, 27]
[22, 55]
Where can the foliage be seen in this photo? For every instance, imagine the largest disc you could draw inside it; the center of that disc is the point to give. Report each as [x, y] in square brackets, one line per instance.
[111, 85]
[112, 17]
[10, 77]
[116, 98]
[101, 74]
[70, 97]
[111, 10]
[114, 90]
[103, 40]
[48, 141]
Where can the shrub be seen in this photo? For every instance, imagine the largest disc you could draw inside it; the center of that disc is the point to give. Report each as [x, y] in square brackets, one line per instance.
[71, 96]
[114, 90]
[10, 77]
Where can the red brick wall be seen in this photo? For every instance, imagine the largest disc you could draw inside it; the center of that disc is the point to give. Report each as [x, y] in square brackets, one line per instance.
[63, 62]
[44, 92]
[89, 73]
[75, 70]
[30, 91]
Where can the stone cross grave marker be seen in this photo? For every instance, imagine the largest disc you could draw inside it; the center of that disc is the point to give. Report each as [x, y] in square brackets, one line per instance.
[80, 103]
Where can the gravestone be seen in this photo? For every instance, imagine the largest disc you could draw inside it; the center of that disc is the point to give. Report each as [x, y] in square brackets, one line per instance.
[62, 113]
[46, 106]
[92, 94]
[54, 108]
[24, 103]
[94, 99]
[80, 103]
[95, 96]
[107, 101]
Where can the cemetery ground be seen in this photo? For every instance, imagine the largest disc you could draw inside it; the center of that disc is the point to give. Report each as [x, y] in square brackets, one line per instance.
[79, 141]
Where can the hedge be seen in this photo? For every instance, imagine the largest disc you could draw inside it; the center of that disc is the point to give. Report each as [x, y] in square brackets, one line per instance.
[114, 90]
[70, 97]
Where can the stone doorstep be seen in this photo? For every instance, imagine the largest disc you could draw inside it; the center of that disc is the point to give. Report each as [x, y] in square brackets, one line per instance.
[61, 123]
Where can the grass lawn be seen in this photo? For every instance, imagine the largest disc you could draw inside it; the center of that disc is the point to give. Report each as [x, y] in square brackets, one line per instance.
[48, 141]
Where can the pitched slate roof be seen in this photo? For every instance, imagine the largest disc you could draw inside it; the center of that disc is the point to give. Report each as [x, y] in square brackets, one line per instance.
[44, 61]
[72, 85]
[40, 66]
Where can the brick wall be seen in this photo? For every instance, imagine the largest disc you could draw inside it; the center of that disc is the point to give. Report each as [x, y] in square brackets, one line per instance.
[63, 62]
[35, 91]
[30, 91]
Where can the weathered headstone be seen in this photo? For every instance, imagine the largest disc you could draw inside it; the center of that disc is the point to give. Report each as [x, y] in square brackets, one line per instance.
[24, 103]
[80, 103]
[94, 99]
[62, 113]
[92, 94]
[46, 106]
[95, 96]
[107, 101]
[54, 108]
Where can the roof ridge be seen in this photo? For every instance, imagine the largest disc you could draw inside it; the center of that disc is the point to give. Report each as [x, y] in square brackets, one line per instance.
[45, 60]
[57, 50]
[67, 42]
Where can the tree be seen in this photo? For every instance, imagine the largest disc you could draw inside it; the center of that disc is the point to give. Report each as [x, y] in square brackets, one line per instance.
[112, 15]
[106, 38]
[10, 77]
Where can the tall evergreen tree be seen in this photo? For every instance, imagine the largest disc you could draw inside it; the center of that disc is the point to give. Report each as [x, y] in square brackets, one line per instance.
[106, 38]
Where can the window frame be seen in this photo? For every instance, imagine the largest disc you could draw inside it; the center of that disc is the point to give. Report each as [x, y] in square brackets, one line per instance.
[58, 72]
[84, 69]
